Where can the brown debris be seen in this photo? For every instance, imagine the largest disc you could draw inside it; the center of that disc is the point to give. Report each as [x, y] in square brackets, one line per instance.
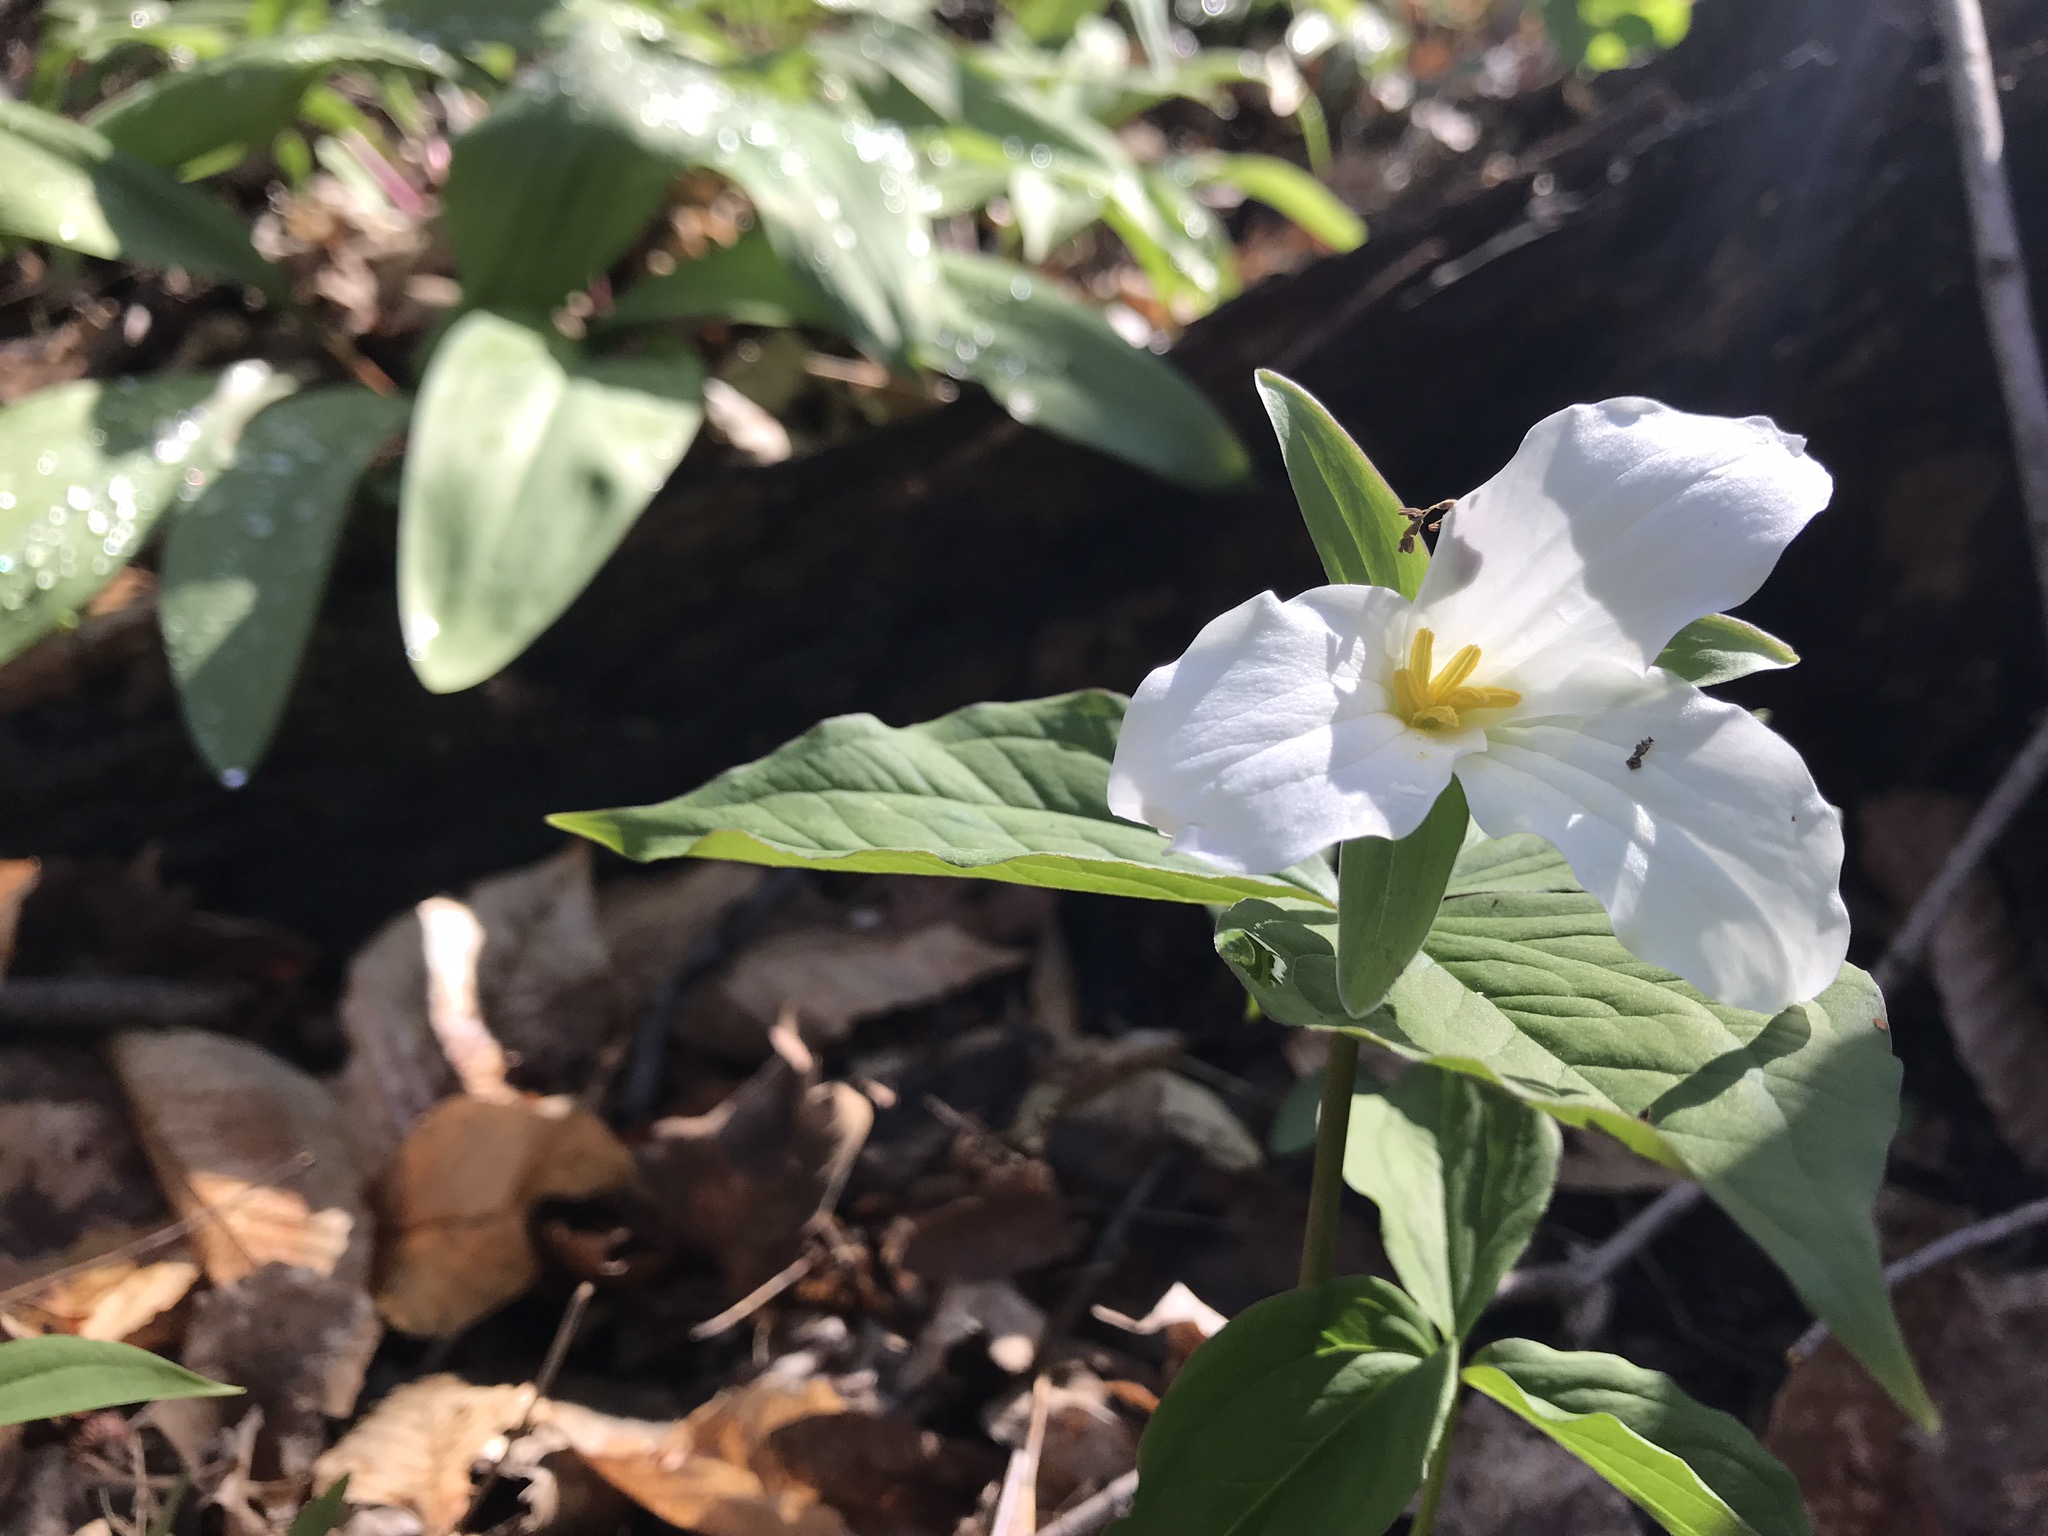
[462, 1193]
[415, 1449]
[250, 1150]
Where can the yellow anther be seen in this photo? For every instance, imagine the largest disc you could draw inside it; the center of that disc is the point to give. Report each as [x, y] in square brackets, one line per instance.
[1433, 703]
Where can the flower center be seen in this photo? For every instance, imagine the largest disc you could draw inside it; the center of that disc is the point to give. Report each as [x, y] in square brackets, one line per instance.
[1432, 703]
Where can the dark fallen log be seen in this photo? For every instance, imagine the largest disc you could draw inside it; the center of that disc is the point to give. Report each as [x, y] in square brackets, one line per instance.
[1767, 221]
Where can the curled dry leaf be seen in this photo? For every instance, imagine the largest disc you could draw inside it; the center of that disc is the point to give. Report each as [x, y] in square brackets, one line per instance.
[414, 1450]
[79, 1203]
[1158, 1106]
[653, 924]
[536, 988]
[250, 1150]
[1014, 1222]
[1089, 1440]
[1991, 995]
[1181, 1315]
[17, 881]
[835, 977]
[461, 1195]
[298, 1343]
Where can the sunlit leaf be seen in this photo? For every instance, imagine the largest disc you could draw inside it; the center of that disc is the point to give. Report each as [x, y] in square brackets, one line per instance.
[1696, 1470]
[1289, 190]
[245, 564]
[59, 1373]
[65, 184]
[1390, 891]
[1010, 792]
[745, 281]
[1313, 1411]
[1785, 1121]
[1719, 649]
[1056, 364]
[1353, 516]
[529, 460]
[86, 469]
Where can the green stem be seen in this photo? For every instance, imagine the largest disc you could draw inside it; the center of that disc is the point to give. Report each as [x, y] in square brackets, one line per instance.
[1433, 1481]
[1326, 1188]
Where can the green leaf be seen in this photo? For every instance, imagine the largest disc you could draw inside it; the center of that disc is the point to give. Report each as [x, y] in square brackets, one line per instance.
[529, 460]
[1719, 649]
[1696, 1470]
[545, 193]
[1288, 190]
[1011, 792]
[244, 98]
[1611, 34]
[1389, 892]
[1352, 514]
[87, 468]
[745, 281]
[465, 24]
[1312, 1411]
[839, 199]
[65, 184]
[1784, 1120]
[1056, 364]
[1461, 1173]
[245, 564]
[58, 1373]
[320, 1516]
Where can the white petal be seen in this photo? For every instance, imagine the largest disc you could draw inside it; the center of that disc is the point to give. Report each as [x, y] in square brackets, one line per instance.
[1716, 859]
[1269, 740]
[1613, 527]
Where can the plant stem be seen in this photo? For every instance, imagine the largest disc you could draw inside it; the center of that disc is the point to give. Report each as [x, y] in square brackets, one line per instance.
[1326, 1187]
[1433, 1481]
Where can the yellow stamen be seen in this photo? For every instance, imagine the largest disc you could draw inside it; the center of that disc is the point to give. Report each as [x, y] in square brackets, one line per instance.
[1433, 703]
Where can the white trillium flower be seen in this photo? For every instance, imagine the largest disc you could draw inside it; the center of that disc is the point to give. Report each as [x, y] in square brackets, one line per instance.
[1525, 667]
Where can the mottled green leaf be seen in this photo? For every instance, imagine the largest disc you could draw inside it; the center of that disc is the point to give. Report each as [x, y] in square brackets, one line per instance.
[245, 564]
[529, 460]
[86, 469]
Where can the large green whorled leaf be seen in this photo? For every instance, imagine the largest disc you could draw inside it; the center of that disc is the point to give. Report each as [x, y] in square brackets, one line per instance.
[1011, 792]
[745, 281]
[1352, 514]
[1719, 649]
[1390, 890]
[528, 461]
[65, 184]
[1698, 1471]
[545, 193]
[839, 199]
[1288, 190]
[86, 469]
[245, 564]
[1784, 1120]
[59, 1373]
[1054, 363]
[1461, 1173]
[1312, 1411]
[244, 98]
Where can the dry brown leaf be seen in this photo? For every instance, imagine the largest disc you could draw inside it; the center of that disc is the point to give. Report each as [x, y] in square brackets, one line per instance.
[742, 1181]
[251, 1150]
[834, 977]
[1089, 1441]
[461, 1195]
[1991, 995]
[1015, 1221]
[1157, 1105]
[1181, 1315]
[1983, 1348]
[79, 1204]
[891, 1470]
[298, 1343]
[540, 995]
[415, 1449]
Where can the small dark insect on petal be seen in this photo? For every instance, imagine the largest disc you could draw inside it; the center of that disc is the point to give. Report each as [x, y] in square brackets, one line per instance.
[1635, 758]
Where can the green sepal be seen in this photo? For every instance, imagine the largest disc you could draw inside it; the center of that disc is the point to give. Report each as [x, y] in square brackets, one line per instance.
[1388, 893]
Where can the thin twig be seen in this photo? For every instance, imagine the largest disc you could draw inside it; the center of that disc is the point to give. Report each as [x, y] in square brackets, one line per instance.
[113, 1002]
[1102, 1263]
[1017, 1506]
[2006, 800]
[758, 1297]
[543, 1383]
[2001, 266]
[1596, 1265]
[1980, 1234]
[1096, 1512]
